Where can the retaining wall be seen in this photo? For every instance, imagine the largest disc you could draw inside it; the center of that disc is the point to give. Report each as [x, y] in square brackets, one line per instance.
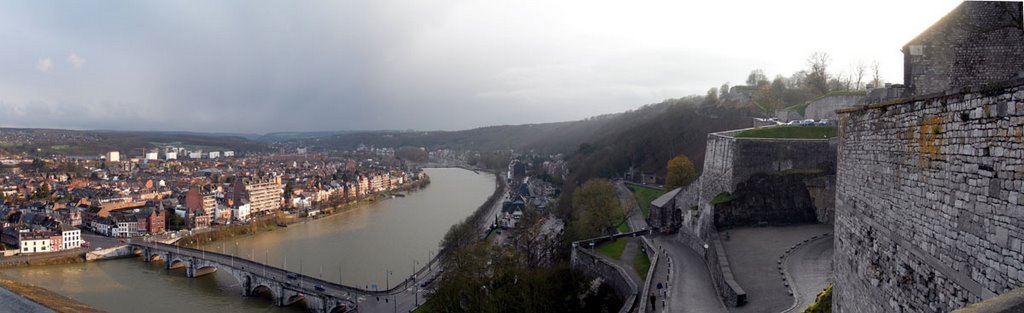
[614, 275]
[718, 265]
[826, 107]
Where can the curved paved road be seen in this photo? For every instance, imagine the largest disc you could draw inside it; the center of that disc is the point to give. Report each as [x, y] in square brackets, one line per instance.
[809, 267]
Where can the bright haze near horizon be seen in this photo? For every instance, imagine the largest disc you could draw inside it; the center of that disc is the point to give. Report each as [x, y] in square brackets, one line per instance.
[262, 66]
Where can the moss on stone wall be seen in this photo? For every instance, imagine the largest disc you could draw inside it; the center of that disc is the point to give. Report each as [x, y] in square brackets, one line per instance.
[823, 303]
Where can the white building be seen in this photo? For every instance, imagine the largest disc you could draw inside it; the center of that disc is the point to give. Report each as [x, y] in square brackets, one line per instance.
[195, 155]
[241, 213]
[228, 154]
[171, 155]
[71, 237]
[301, 202]
[113, 156]
[34, 243]
[101, 225]
[214, 154]
[152, 156]
[124, 227]
[300, 150]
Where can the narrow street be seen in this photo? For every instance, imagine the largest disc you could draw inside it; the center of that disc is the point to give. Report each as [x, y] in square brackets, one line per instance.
[690, 288]
[685, 279]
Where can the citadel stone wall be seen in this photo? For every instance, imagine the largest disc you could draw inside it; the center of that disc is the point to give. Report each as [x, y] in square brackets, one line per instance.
[826, 107]
[768, 199]
[930, 201]
[730, 160]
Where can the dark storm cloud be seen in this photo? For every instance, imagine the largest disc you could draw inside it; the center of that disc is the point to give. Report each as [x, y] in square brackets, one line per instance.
[262, 66]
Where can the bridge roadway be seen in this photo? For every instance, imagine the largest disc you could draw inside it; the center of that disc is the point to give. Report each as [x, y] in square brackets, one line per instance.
[255, 277]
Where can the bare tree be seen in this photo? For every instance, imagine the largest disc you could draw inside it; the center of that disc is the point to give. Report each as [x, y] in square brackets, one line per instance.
[757, 78]
[767, 100]
[817, 77]
[858, 74]
[711, 97]
[796, 80]
[876, 75]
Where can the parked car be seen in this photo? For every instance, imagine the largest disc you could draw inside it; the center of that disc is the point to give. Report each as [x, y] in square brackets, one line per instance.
[319, 287]
[427, 282]
[807, 122]
[292, 276]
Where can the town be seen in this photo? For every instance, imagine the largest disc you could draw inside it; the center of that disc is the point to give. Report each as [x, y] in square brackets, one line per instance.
[61, 204]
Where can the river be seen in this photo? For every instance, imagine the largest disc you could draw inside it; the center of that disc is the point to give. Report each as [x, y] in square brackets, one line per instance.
[357, 247]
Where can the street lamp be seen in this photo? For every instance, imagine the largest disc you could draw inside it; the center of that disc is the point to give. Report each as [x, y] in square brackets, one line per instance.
[415, 288]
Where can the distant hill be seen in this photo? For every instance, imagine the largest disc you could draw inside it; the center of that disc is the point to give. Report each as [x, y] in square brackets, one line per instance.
[87, 142]
[645, 137]
[600, 146]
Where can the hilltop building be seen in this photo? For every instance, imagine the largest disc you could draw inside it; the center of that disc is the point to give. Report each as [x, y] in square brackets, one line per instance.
[979, 42]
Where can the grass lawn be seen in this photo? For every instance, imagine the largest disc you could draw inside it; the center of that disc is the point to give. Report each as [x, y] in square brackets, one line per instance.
[644, 196]
[722, 197]
[641, 264]
[790, 131]
[623, 227]
[612, 249]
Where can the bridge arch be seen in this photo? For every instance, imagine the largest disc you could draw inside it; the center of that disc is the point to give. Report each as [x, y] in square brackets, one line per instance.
[296, 298]
[176, 263]
[204, 269]
[340, 308]
[155, 257]
[261, 289]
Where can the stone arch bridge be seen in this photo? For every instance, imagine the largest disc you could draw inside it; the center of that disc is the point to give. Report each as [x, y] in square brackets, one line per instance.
[285, 287]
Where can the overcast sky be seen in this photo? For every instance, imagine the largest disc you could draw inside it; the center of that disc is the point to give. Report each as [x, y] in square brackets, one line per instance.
[265, 66]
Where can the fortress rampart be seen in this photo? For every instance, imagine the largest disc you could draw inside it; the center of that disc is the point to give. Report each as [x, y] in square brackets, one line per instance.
[930, 201]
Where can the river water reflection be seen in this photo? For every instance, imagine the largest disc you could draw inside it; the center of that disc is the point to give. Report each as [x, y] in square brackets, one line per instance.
[357, 247]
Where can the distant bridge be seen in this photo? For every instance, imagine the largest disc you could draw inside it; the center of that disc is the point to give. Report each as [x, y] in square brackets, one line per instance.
[285, 287]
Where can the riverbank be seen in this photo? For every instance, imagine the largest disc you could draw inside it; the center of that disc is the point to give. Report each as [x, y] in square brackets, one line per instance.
[52, 258]
[283, 220]
[44, 297]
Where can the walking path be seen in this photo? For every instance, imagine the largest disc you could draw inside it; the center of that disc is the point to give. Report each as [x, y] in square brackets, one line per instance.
[690, 288]
[635, 217]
